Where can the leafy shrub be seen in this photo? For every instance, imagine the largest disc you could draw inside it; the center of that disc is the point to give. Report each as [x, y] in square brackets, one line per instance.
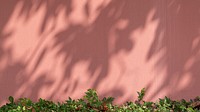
[92, 103]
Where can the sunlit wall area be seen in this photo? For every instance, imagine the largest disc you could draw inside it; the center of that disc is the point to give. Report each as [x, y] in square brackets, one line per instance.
[54, 49]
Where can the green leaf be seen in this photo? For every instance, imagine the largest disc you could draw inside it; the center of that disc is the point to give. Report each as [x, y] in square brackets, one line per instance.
[11, 99]
[141, 94]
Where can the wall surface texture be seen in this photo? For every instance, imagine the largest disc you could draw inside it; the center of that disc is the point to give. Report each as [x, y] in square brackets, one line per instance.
[54, 49]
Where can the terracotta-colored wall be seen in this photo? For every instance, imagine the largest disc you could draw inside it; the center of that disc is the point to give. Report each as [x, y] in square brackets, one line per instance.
[59, 48]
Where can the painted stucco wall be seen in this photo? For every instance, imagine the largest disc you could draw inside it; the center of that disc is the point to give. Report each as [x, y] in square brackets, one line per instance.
[59, 48]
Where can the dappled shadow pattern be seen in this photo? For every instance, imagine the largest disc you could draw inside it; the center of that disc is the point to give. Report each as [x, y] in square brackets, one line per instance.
[177, 30]
[178, 35]
[92, 43]
[78, 42]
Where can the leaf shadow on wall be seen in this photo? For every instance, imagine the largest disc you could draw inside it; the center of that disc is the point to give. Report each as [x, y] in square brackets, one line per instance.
[91, 43]
[14, 76]
[77, 42]
[180, 26]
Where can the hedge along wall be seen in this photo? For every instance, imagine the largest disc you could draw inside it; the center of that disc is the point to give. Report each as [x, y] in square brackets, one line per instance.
[58, 48]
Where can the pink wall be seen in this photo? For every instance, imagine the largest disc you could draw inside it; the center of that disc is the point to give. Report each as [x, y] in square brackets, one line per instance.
[59, 48]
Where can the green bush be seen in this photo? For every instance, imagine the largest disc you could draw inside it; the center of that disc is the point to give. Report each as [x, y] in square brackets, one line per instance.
[92, 103]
